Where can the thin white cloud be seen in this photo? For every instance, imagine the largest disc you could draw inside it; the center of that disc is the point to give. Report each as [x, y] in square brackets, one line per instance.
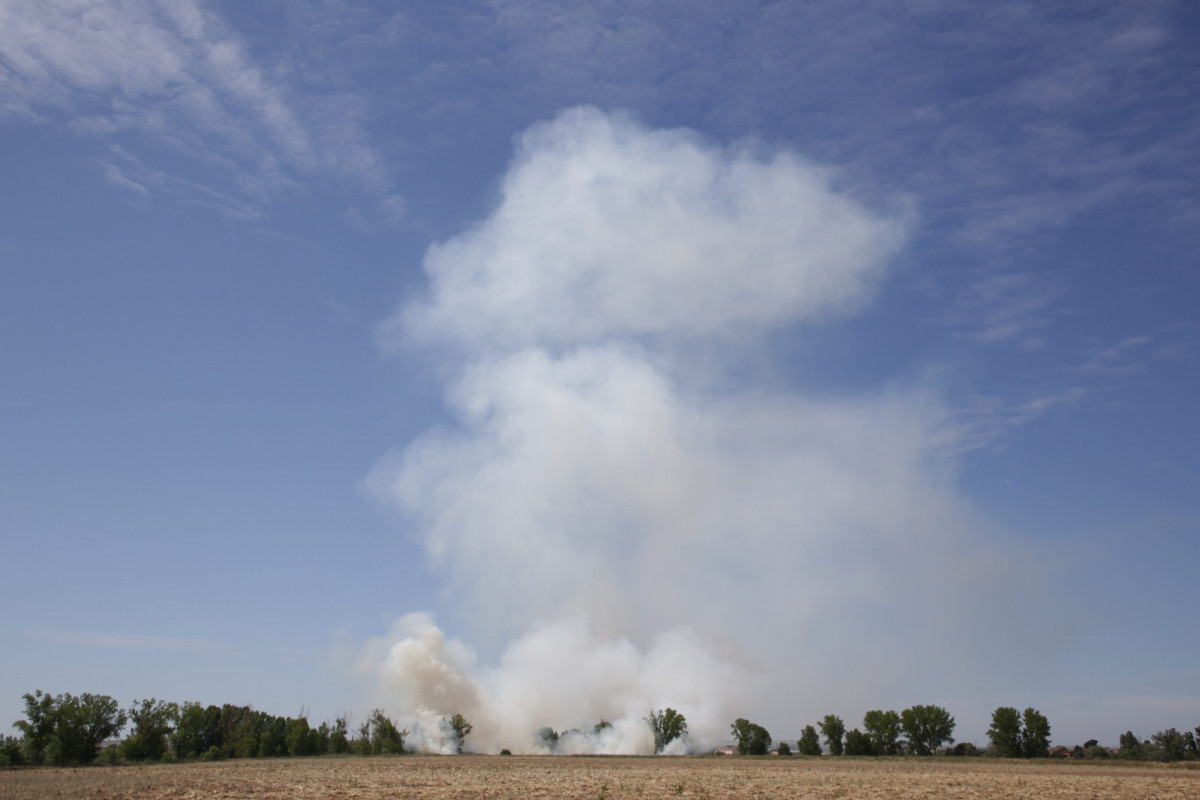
[339, 312]
[114, 175]
[1005, 307]
[1096, 379]
[1118, 360]
[988, 422]
[181, 190]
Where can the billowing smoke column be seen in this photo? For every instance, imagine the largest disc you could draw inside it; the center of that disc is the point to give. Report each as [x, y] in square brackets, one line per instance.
[639, 529]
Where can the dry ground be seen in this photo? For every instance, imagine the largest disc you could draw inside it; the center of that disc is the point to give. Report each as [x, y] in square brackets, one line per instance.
[602, 778]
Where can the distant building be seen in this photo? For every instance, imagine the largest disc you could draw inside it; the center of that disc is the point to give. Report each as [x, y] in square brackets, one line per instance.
[725, 750]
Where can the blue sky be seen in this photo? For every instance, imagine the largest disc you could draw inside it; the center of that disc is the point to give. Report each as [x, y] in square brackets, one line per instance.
[852, 349]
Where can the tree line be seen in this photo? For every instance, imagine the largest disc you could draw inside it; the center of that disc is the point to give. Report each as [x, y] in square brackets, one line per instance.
[919, 730]
[924, 730]
[65, 729]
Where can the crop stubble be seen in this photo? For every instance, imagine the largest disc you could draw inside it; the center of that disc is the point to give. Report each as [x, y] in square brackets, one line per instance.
[606, 778]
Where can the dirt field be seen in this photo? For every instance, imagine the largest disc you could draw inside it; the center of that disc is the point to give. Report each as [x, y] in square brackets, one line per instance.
[601, 778]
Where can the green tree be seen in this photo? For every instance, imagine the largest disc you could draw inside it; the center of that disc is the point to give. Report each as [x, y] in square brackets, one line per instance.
[186, 739]
[1170, 745]
[859, 744]
[603, 724]
[80, 725]
[339, 739]
[272, 737]
[320, 738]
[1005, 732]
[11, 752]
[1131, 747]
[198, 730]
[461, 728]
[752, 740]
[809, 744]
[241, 730]
[668, 725]
[1035, 734]
[153, 721]
[37, 729]
[784, 749]
[884, 729]
[927, 728]
[1190, 748]
[386, 738]
[298, 738]
[362, 743]
[833, 729]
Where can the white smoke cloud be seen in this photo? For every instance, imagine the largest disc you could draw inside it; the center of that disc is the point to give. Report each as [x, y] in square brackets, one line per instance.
[606, 228]
[635, 541]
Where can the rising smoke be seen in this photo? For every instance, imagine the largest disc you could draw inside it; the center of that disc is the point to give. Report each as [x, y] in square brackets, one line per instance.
[639, 531]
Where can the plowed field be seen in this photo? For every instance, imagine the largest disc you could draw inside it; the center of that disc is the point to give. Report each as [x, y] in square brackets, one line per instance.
[601, 778]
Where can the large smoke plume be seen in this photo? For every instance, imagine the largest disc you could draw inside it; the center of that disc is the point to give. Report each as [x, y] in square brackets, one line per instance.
[629, 526]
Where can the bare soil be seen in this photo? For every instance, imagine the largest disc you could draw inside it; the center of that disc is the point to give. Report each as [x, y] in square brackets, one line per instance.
[605, 778]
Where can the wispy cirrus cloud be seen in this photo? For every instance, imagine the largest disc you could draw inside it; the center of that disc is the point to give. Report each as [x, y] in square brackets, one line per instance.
[1100, 377]
[116, 176]
[176, 74]
[1004, 308]
[127, 170]
[999, 148]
